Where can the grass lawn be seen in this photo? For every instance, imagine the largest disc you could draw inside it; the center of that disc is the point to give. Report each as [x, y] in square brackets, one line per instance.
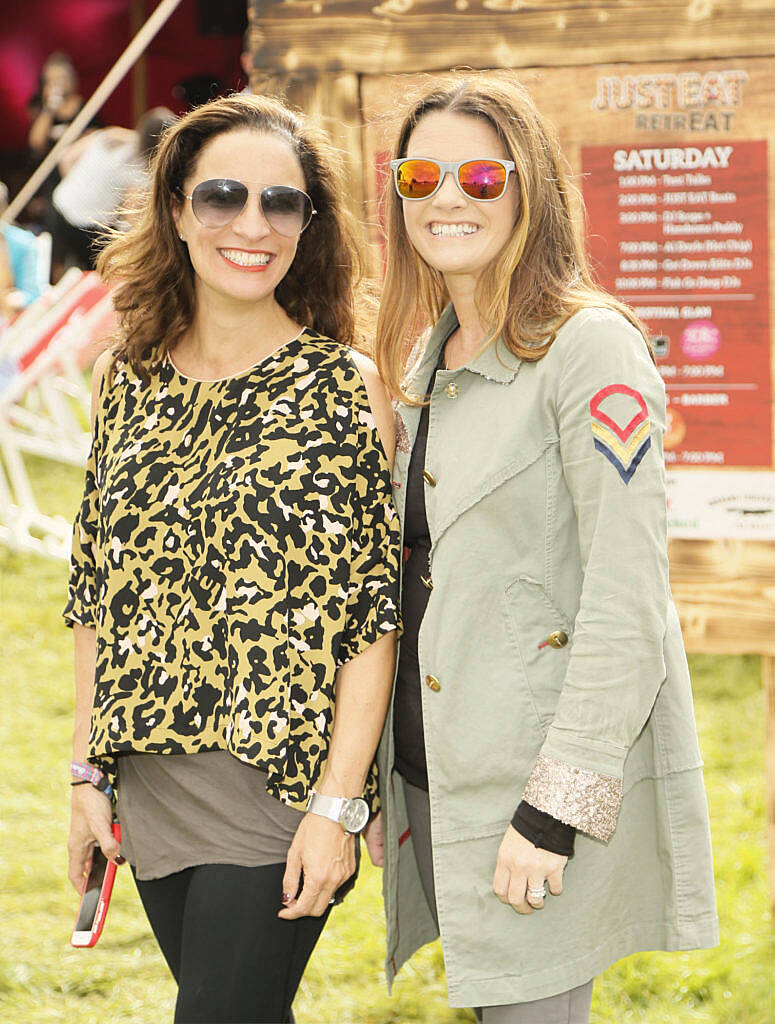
[42, 979]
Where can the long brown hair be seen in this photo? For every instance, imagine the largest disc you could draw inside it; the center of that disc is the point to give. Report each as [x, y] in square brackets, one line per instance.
[156, 301]
[539, 279]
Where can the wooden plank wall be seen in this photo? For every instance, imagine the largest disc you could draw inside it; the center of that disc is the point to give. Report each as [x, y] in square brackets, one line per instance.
[725, 594]
[333, 102]
[415, 35]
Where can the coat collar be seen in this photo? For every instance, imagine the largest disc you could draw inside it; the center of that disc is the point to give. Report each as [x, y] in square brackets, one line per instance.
[496, 363]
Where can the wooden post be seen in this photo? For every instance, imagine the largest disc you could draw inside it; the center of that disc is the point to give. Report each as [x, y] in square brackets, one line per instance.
[725, 595]
[139, 71]
[768, 679]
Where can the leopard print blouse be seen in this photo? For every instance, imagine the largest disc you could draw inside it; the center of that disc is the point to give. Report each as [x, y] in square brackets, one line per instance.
[236, 543]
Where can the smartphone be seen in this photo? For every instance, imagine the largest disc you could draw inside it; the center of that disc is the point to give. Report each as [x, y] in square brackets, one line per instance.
[95, 896]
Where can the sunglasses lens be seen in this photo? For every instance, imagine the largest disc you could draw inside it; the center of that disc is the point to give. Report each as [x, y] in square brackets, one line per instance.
[416, 179]
[288, 210]
[218, 201]
[482, 179]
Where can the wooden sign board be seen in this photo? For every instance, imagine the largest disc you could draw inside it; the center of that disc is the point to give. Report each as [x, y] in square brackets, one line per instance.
[671, 160]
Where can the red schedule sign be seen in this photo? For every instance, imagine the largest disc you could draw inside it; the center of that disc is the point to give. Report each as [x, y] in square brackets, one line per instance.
[679, 232]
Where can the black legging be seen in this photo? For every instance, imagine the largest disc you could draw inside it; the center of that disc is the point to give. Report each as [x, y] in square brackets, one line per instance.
[234, 960]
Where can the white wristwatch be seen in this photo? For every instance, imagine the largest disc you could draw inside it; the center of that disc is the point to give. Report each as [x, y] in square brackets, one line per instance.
[351, 814]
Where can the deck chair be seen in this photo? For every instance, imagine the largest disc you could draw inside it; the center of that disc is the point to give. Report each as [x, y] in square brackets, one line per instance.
[24, 324]
[44, 407]
[42, 387]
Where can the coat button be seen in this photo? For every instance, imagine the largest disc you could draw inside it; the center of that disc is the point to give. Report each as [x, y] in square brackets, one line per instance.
[452, 390]
[427, 582]
[433, 683]
[558, 639]
[429, 478]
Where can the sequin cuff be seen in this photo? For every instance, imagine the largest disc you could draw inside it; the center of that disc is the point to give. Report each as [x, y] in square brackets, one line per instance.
[587, 800]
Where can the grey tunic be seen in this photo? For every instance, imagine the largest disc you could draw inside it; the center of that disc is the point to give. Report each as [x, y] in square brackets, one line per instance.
[180, 810]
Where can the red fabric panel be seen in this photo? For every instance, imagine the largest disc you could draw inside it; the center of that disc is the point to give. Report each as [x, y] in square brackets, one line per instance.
[72, 308]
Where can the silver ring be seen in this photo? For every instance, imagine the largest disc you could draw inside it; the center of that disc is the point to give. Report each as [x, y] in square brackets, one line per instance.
[537, 894]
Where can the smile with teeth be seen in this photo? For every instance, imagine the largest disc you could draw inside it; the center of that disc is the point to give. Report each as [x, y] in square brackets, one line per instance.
[452, 230]
[246, 259]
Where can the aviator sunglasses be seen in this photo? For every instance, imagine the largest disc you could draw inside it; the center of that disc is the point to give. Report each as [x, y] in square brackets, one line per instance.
[483, 180]
[218, 201]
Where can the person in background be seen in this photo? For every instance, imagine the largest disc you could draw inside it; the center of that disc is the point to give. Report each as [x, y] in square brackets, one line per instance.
[234, 578]
[246, 61]
[101, 174]
[11, 301]
[22, 276]
[544, 807]
[55, 104]
[51, 110]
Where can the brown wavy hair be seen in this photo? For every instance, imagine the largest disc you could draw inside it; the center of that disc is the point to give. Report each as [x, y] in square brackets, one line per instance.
[539, 279]
[155, 300]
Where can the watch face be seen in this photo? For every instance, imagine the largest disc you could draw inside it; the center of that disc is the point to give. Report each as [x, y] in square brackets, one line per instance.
[355, 815]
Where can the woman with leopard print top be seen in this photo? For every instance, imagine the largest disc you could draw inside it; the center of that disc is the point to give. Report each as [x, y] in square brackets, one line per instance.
[233, 587]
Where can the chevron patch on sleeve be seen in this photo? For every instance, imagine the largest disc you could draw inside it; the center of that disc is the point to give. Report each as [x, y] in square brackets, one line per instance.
[623, 446]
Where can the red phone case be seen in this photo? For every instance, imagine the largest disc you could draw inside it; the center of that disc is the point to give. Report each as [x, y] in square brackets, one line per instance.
[104, 898]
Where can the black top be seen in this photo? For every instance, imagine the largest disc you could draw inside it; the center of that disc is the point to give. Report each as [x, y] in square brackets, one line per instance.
[417, 584]
[540, 828]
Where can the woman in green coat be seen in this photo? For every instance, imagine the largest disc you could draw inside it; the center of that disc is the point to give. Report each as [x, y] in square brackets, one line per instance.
[543, 801]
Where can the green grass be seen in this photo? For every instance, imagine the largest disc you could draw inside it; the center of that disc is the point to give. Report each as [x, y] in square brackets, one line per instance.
[42, 979]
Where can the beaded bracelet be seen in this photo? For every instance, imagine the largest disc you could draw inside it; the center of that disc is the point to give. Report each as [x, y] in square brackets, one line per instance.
[89, 773]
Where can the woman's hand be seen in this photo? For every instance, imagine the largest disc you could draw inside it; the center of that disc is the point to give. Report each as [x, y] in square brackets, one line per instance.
[325, 853]
[522, 866]
[91, 815]
[375, 840]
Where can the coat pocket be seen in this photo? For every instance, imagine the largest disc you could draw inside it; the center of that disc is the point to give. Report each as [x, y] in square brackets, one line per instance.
[543, 637]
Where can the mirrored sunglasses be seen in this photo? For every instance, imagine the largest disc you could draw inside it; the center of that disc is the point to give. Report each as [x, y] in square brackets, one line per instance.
[218, 201]
[483, 180]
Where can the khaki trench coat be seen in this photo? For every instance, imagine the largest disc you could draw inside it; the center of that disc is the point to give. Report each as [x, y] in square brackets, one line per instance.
[547, 516]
